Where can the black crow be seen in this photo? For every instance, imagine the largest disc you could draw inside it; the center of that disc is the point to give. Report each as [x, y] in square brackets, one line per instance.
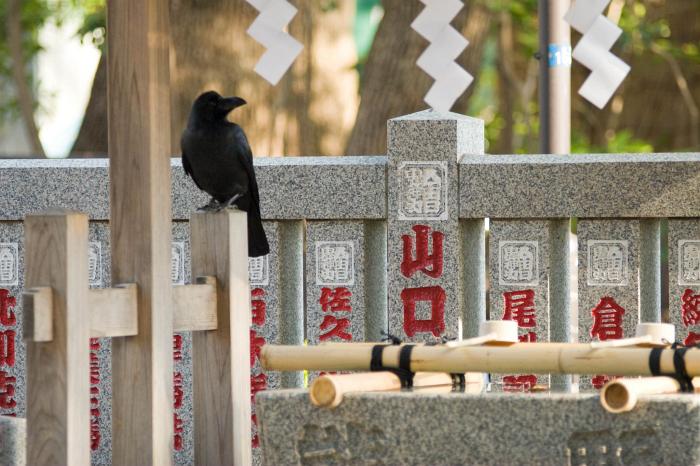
[216, 154]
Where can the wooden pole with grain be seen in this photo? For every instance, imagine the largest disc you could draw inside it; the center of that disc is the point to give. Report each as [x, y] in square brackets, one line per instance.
[138, 88]
[534, 358]
[221, 357]
[58, 390]
[327, 391]
[621, 395]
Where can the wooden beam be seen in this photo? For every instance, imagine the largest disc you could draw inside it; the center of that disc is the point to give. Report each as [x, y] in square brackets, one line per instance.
[58, 390]
[221, 358]
[37, 305]
[194, 306]
[113, 311]
[138, 47]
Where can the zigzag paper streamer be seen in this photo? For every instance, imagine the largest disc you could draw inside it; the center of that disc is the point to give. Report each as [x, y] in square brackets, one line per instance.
[438, 60]
[593, 50]
[268, 29]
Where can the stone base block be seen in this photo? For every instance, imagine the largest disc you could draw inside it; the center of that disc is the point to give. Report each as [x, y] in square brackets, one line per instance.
[487, 429]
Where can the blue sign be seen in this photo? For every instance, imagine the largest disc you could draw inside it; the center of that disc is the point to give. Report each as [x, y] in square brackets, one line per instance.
[559, 55]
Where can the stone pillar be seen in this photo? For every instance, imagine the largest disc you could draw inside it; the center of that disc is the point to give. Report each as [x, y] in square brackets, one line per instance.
[424, 251]
[519, 264]
[335, 282]
[684, 278]
[608, 283]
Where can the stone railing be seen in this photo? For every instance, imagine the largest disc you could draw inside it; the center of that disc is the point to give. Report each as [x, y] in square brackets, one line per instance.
[405, 243]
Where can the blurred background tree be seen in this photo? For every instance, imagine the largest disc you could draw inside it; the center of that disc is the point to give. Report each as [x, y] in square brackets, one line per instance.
[358, 69]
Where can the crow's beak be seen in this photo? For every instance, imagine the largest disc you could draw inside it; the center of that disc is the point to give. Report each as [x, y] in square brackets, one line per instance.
[230, 103]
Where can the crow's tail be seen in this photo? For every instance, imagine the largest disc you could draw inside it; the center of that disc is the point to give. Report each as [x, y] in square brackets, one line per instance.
[257, 240]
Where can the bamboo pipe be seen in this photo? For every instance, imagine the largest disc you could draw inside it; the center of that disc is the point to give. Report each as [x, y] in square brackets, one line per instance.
[620, 395]
[328, 390]
[533, 358]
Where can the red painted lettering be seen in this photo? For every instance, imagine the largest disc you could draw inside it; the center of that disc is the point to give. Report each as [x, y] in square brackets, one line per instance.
[435, 295]
[338, 327]
[607, 320]
[520, 307]
[429, 263]
[335, 300]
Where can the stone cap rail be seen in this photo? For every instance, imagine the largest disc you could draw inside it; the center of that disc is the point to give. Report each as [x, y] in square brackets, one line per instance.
[355, 187]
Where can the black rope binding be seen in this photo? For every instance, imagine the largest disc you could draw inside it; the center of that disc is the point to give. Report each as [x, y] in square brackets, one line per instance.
[403, 372]
[681, 372]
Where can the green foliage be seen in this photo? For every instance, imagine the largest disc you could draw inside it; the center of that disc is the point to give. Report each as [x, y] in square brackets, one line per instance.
[33, 15]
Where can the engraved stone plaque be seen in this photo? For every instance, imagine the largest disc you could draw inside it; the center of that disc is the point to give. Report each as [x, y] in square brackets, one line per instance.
[259, 270]
[9, 264]
[608, 263]
[423, 190]
[518, 263]
[689, 262]
[95, 263]
[177, 263]
[335, 263]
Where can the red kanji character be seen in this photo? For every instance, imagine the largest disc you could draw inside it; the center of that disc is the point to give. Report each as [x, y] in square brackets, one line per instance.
[258, 383]
[607, 320]
[519, 383]
[436, 324]
[178, 393]
[179, 429]
[94, 369]
[429, 264]
[7, 391]
[520, 307]
[692, 339]
[256, 344]
[335, 300]
[94, 344]
[259, 306]
[690, 310]
[599, 381]
[338, 330]
[529, 337]
[7, 348]
[95, 435]
[94, 393]
[7, 304]
[177, 347]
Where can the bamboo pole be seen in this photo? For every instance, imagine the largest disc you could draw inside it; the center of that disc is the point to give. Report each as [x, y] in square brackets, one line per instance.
[328, 391]
[620, 395]
[533, 358]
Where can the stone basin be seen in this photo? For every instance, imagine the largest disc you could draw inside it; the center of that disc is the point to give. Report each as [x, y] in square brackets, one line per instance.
[481, 429]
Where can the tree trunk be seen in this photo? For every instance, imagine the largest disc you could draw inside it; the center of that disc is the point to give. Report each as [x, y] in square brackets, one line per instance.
[92, 137]
[393, 85]
[25, 99]
[307, 113]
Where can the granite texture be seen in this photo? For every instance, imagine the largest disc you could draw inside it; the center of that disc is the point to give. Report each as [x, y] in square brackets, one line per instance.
[608, 281]
[335, 282]
[264, 273]
[290, 187]
[424, 250]
[13, 441]
[557, 186]
[519, 265]
[487, 429]
[684, 278]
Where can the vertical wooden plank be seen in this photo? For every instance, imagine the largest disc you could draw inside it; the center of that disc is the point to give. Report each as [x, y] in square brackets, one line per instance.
[139, 150]
[58, 387]
[221, 358]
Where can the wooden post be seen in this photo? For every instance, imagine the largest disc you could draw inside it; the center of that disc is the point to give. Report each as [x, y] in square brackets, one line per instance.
[221, 358]
[139, 151]
[58, 391]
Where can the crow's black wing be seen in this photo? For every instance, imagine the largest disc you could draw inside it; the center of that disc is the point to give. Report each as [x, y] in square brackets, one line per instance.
[188, 169]
[246, 157]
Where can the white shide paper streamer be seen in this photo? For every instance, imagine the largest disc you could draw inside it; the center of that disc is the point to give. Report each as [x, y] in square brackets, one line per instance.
[268, 29]
[438, 60]
[593, 50]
